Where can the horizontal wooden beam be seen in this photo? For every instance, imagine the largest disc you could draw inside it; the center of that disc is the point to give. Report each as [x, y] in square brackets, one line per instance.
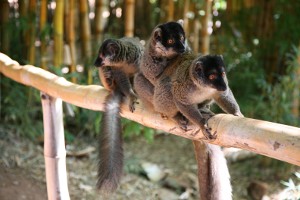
[274, 140]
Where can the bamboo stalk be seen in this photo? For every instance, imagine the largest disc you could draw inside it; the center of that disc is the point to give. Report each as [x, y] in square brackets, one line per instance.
[170, 10]
[54, 148]
[204, 32]
[129, 18]
[85, 28]
[58, 33]
[101, 5]
[185, 17]
[296, 92]
[4, 34]
[274, 140]
[43, 20]
[23, 4]
[196, 29]
[162, 16]
[31, 31]
[70, 36]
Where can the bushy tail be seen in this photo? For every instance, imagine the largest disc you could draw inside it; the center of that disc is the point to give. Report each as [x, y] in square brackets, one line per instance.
[214, 178]
[111, 157]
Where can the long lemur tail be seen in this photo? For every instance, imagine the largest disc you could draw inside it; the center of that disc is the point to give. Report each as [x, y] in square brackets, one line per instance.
[213, 173]
[111, 157]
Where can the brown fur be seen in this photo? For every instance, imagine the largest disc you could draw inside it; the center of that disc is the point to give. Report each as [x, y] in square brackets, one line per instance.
[156, 57]
[118, 60]
[179, 90]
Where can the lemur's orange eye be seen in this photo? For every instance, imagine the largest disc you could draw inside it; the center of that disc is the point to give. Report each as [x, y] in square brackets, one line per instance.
[170, 41]
[212, 77]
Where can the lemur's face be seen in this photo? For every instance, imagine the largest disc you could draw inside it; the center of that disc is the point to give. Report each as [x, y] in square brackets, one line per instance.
[108, 53]
[211, 71]
[169, 39]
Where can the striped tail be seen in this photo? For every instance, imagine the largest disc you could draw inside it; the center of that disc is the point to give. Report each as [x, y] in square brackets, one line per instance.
[111, 156]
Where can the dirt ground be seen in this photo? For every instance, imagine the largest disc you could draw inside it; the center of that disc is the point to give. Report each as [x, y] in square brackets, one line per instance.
[22, 170]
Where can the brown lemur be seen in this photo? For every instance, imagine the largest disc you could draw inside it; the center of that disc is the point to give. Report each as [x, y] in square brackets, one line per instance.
[213, 168]
[118, 60]
[186, 87]
[189, 84]
[166, 42]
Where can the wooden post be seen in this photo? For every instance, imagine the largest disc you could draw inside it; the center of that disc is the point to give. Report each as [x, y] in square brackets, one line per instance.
[213, 184]
[54, 148]
[129, 18]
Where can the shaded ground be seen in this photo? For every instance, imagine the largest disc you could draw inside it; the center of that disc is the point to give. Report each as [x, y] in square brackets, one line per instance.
[22, 170]
[16, 184]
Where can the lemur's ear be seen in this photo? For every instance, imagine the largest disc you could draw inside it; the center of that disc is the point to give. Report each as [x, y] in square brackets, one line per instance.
[180, 22]
[199, 67]
[157, 35]
[112, 48]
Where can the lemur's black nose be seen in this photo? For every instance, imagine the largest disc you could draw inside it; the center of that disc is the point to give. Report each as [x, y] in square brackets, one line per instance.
[98, 62]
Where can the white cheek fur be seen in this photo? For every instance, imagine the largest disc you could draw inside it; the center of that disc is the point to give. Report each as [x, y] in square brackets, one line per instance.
[163, 51]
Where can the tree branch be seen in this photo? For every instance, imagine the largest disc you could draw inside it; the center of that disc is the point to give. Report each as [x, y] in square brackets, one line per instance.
[271, 139]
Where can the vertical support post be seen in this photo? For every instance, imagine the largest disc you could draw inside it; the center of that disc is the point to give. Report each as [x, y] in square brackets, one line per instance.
[213, 173]
[54, 148]
[201, 155]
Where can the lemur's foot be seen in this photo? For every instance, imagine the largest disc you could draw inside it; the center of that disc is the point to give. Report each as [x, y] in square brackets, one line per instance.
[165, 117]
[207, 133]
[132, 101]
[184, 127]
[182, 121]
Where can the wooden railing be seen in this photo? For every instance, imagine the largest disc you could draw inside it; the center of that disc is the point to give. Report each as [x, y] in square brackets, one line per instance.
[274, 140]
